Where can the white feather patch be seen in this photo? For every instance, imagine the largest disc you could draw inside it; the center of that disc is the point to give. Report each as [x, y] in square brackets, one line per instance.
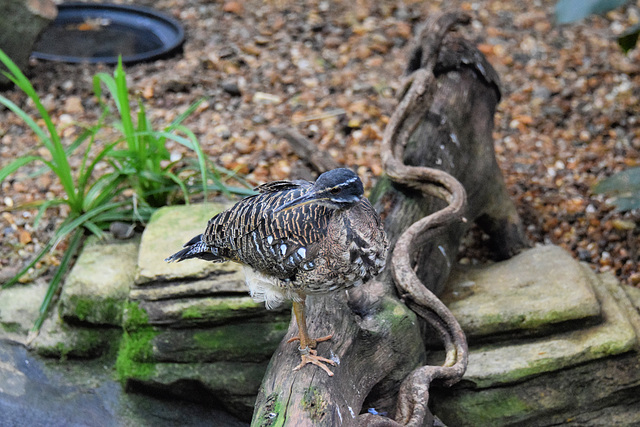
[263, 288]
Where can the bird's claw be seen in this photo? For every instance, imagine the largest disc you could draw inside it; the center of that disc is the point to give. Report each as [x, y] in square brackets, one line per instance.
[312, 343]
[309, 355]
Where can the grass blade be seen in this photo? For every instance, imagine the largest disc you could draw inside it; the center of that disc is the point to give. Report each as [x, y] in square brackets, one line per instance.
[57, 278]
[17, 164]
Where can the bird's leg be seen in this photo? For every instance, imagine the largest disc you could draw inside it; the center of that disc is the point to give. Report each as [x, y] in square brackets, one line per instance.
[307, 344]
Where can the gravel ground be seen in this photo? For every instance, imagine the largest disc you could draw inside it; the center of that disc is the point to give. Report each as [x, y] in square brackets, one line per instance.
[568, 118]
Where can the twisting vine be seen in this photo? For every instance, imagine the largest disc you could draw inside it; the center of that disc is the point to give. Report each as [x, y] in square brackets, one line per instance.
[412, 409]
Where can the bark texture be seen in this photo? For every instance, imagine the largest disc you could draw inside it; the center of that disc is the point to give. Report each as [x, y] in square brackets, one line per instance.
[437, 149]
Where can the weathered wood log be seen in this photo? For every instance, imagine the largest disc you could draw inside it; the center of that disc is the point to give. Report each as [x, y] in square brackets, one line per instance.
[445, 121]
[454, 135]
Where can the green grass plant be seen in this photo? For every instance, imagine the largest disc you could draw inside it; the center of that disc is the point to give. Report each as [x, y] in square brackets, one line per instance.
[138, 160]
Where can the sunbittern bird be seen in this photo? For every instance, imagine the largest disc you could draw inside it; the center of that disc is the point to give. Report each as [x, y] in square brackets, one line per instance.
[296, 238]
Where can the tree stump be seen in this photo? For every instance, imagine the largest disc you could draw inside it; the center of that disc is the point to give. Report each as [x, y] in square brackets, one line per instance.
[437, 147]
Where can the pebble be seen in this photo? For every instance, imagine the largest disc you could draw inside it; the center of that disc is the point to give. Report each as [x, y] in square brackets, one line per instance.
[222, 131]
[231, 87]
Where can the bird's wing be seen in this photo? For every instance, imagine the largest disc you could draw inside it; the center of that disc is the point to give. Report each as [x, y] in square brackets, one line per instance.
[275, 186]
[276, 243]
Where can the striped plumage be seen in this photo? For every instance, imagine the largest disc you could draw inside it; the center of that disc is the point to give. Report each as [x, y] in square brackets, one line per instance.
[297, 238]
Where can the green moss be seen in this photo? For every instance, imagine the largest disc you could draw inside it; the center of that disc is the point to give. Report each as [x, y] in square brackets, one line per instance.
[11, 327]
[314, 404]
[85, 308]
[498, 407]
[82, 307]
[135, 347]
[192, 312]
[220, 309]
[78, 342]
[397, 315]
[134, 316]
[273, 415]
[62, 350]
[254, 342]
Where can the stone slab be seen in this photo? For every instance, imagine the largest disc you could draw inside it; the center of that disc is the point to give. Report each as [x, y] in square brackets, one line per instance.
[19, 309]
[602, 392]
[540, 287]
[59, 340]
[168, 230]
[99, 283]
[239, 342]
[207, 311]
[504, 363]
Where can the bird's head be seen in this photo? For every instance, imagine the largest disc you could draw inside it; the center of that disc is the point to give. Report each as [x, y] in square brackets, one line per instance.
[336, 189]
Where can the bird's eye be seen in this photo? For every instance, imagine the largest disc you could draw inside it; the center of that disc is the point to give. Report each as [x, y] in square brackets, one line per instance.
[335, 190]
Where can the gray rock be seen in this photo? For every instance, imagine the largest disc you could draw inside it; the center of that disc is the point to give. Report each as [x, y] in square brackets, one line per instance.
[98, 285]
[19, 309]
[61, 340]
[492, 365]
[580, 369]
[538, 289]
[231, 87]
[168, 230]
[207, 311]
[192, 330]
[21, 22]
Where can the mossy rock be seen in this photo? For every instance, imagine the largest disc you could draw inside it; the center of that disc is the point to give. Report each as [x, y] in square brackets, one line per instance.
[168, 230]
[19, 309]
[242, 342]
[98, 285]
[58, 339]
[229, 384]
[572, 373]
[208, 311]
[541, 291]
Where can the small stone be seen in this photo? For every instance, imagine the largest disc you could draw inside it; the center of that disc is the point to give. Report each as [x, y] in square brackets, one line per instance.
[621, 224]
[231, 87]
[24, 236]
[234, 7]
[258, 119]
[122, 230]
[222, 131]
[267, 98]
[73, 105]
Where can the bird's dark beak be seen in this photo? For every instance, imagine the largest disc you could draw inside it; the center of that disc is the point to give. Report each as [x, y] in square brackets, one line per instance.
[299, 201]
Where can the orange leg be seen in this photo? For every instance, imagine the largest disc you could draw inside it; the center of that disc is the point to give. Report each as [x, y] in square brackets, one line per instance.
[307, 345]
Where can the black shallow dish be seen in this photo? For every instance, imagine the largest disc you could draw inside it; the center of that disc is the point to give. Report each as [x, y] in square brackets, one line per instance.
[90, 32]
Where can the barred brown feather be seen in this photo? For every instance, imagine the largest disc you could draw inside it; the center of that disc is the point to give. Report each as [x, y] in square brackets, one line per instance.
[331, 239]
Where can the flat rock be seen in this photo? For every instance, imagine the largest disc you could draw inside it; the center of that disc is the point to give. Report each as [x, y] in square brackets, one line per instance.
[60, 340]
[99, 283]
[207, 310]
[502, 363]
[19, 309]
[583, 373]
[602, 392]
[168, 230]
[541, 288]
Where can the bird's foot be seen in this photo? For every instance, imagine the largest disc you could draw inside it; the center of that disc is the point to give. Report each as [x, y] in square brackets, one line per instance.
[309, 355]
[312, 343]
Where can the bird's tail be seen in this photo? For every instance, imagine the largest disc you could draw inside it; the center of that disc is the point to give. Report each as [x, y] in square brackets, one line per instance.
[195, 248]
